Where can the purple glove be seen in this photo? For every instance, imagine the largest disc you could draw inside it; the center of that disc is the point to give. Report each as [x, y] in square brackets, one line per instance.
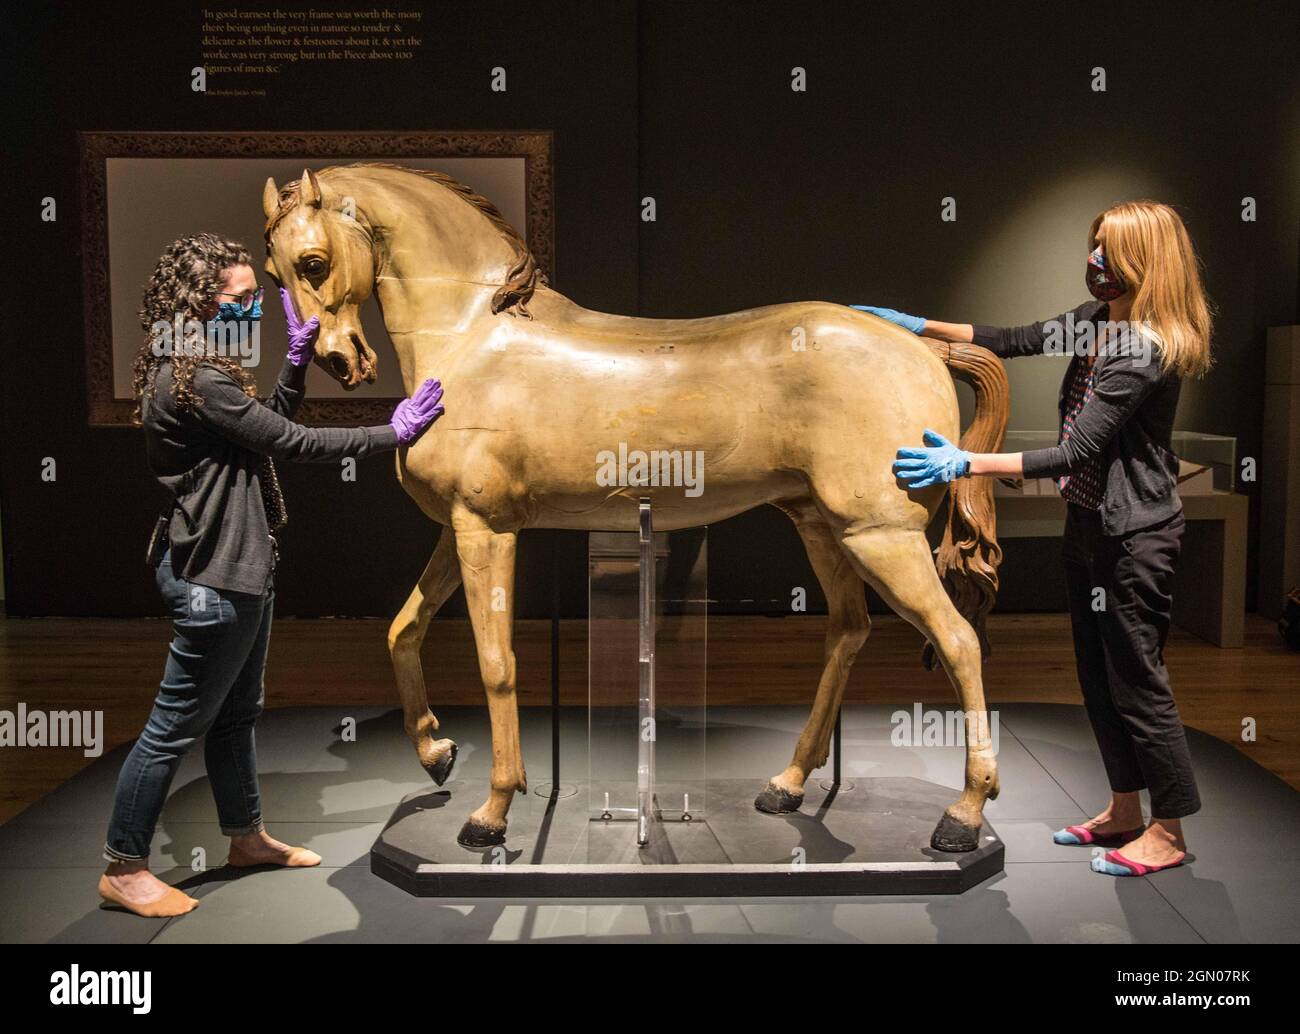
[413, 415]
[302, 336]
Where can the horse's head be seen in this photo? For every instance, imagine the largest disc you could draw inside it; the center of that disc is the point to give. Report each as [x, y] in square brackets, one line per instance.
[317, 247]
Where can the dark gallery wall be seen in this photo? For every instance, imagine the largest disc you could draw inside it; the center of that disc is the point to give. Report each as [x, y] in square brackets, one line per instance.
[769, 195]
[763, 195]
[75, 546]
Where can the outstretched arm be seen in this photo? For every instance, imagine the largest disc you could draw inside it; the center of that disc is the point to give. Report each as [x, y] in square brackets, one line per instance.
[921, 325]
[1004, 342]
[963, 332]
[228, 412]
[1122, 384]
[942, 461]
[997, 464]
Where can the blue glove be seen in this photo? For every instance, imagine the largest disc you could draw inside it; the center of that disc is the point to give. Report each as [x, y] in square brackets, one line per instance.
[942, 462]
[915, 324]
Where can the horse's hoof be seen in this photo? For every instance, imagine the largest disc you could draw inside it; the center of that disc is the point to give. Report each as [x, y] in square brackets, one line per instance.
[776, 800]
[953, 836]
[440, 770]
[475, 834]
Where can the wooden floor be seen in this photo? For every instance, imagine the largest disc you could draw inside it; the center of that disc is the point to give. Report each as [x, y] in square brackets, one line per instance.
[114, 666]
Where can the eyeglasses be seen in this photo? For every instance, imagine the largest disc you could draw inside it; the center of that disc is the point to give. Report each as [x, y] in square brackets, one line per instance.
[246, 300]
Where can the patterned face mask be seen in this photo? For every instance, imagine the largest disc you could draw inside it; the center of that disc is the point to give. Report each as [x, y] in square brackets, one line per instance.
[235, 312]
[1102, 284]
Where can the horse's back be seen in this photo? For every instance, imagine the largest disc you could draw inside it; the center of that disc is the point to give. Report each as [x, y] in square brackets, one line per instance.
[804, 398]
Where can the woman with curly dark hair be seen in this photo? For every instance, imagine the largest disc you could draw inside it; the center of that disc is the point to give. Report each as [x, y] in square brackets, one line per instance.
[212, 445]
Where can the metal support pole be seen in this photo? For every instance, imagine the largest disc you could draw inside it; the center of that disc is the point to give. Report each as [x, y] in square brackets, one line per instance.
[645, 767]
[555, 789]
[835, 754]
[836, 782]
[555, 665]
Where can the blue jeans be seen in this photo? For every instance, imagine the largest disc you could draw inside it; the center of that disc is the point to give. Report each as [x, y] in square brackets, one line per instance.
[212, 686]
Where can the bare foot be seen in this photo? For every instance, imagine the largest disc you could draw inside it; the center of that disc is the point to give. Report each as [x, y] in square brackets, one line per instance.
[1108, 823]
[135, 888]
[1124, 813]
[1161, 844]
[263, 849]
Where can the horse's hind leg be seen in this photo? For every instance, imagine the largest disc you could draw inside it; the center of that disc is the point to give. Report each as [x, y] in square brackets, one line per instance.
[847, 629]
[899, 565]
[405, 636]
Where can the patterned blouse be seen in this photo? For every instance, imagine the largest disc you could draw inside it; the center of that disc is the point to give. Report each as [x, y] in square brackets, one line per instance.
[1083, 486]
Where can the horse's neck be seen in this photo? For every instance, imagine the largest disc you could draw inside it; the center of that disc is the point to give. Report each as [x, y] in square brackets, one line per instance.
[435, 325]
[428, 319]
[438, 265]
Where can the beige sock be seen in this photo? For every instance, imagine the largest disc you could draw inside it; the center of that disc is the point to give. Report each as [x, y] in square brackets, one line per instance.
[297, 858]
[173, 903]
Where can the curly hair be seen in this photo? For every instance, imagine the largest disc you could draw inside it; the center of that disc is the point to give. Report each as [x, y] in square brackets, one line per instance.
[185, 285]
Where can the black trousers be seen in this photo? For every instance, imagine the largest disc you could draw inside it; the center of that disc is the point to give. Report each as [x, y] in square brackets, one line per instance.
[1120, 597]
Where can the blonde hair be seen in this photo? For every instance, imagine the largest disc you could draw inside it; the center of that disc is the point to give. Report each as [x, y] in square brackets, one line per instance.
[1148, 246]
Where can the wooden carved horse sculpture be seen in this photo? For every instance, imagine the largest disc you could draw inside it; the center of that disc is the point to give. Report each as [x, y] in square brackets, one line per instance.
[801, 405]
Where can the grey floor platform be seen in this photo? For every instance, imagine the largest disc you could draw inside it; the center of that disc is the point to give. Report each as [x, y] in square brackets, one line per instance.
[865, 838]
[337, 796]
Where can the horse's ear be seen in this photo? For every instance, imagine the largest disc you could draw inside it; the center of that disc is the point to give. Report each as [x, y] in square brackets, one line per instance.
[309, 189]
[270, 198]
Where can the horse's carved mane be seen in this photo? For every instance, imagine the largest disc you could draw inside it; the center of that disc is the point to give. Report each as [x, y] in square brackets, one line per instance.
[522, 280]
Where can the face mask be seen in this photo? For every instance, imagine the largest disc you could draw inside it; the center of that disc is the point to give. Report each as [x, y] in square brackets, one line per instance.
[233, 312]
[233, 331]
[1102, 284]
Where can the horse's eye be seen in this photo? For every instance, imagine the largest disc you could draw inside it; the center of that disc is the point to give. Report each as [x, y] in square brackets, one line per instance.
[314, 267]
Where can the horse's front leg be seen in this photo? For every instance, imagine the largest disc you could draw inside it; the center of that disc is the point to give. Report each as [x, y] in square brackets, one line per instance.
[487, 565]
[405, 636]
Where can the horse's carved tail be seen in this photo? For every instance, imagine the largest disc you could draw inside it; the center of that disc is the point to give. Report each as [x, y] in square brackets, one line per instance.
[969, 555]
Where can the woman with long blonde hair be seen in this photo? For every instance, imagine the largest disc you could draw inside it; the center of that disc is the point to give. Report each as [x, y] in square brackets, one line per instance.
[1146, 328]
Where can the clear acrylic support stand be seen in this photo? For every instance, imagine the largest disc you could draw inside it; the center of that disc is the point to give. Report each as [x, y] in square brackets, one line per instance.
[645, 754]
[647, 684]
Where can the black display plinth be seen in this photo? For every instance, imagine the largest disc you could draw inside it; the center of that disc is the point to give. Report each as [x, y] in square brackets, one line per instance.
[874, 839]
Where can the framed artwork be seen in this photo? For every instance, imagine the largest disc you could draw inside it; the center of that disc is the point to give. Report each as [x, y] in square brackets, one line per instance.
[141, 191]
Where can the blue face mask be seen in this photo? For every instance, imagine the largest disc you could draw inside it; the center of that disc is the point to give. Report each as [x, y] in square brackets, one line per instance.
[233, 312]
[234, 331]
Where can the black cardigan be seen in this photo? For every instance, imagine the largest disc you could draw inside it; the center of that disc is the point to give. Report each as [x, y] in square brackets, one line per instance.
[1127, 423]
[208, 456]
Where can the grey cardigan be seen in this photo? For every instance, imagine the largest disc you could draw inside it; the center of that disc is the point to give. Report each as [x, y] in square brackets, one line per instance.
[1127, 423]
[208, 458]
